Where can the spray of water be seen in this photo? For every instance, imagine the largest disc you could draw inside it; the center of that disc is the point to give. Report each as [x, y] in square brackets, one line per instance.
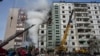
[37, 15]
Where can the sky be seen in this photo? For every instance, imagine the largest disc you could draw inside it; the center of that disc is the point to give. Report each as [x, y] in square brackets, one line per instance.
[5, 5]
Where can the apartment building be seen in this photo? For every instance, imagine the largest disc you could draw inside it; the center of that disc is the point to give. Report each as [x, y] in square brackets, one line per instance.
[85, 25]
[15, 23]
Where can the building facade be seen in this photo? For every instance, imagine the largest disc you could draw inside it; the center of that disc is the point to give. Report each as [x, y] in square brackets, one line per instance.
[85, 24]
[15, 23]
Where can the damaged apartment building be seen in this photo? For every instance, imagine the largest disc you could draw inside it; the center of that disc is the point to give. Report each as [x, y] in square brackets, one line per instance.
[85, 25]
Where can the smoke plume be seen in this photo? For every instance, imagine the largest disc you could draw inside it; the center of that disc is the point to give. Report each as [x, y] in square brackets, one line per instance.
[37, 15]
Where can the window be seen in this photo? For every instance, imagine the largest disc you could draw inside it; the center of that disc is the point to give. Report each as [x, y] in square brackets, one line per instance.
[63, 11]
[72, 37]
[49, 37]
[63, 7]
[63, 16]
[79, 19]
[80, 30]
[64, 21]
[57, 30]
[57, 33]
[64, 26]
[71, 26]
[93, 31]
[95, 12]
[89, 11]
[42, 31]
[87, 36]
[79, 25]
[42, 43]
[73, 49]
[95, 7]
[88, 7]
[56, 12]
[57, 22]
[91, 21]
[99, 26]
[90, 16]
[97, 16]
[56, 7]
[64, 31]
[42, 49]
[71, 31]
[69, 11]
[98, 21]
[56, 15]
[57, 27]
[73, 43]
[50, 43]
[69, 7]
[81, 42]
[57, 36]
[42, 26]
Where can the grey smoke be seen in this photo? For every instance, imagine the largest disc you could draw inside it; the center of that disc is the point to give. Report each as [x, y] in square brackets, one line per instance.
[37, 15]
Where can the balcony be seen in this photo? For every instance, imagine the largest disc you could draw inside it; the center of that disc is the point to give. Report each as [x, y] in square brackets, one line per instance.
[81, 16]
[80, 5]
[85, 45]
[80, 10]
[85, 22]
[83, 38]
[84, 33]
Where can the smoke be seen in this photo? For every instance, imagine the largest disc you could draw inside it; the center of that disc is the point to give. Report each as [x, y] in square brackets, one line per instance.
[37, 15]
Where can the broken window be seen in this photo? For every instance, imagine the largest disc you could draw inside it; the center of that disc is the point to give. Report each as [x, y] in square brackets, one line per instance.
[86, 19]
[79, 25]
[87, 30]
[80, 30]
[79, 19]
[87, 36]
[80, 36]
[78, 14]
[81, 42]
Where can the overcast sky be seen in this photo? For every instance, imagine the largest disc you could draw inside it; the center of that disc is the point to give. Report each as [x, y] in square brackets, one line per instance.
[5, 5]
